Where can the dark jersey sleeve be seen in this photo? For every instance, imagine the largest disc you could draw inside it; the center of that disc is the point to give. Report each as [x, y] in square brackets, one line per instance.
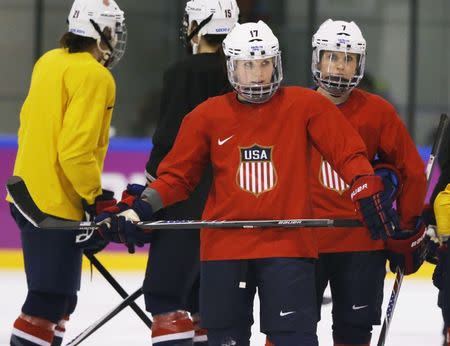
[181, 170]
[185, 85]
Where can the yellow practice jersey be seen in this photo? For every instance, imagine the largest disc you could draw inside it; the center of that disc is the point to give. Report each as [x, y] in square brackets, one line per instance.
[442, 211]
[64, 131]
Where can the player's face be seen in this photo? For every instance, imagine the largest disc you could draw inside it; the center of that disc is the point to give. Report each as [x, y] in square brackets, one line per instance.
[339, 64]
[254, 72]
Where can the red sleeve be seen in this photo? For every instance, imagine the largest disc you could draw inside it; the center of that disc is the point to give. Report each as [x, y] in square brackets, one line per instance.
[180, 171]
[397, 148]
[337, 140]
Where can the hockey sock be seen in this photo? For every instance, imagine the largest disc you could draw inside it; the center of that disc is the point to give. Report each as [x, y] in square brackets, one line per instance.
[60, 329]
[172, 328]
[30, 331]
[447, 336]
[268, 342]
[201, 335]
[346, 334]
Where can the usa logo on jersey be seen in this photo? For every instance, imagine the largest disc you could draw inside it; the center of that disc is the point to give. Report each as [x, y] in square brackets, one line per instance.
[330, 179]
[256, 173]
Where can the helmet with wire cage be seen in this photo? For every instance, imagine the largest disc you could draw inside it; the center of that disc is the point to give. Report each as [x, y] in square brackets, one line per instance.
[338, 36]
[103, 21]
[248, 43]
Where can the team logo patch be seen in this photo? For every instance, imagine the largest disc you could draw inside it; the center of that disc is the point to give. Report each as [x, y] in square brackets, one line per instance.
[256, 173]
[329, 178]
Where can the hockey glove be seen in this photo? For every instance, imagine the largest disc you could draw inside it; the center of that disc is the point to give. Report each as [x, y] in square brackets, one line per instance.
[407, 249]
[101, 202]
[97, 240]
[129, 195]
[119, 229]
[391, 178]
[374, 206]
[116, 223]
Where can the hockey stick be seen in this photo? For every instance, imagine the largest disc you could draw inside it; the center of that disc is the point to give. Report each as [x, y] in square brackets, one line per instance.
[443, 123]
[119, 289]
[87, 332]
[23, 201]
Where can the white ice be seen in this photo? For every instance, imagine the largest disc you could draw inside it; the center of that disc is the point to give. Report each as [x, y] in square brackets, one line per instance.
[417, 320]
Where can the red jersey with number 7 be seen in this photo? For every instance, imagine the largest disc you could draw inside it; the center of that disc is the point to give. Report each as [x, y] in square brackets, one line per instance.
[385, 137]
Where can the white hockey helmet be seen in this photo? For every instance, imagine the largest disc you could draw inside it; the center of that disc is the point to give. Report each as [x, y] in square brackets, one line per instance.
[253, 41]
[213, 17]
[338, 36]
[103, 21]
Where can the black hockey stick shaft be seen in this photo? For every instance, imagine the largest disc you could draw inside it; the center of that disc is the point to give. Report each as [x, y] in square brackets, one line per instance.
[24, 202]
[119, 289]
[443, 123]
[90, 330]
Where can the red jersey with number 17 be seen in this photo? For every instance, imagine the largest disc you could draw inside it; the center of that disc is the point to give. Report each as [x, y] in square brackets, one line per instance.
[260, 155]
[385, 135]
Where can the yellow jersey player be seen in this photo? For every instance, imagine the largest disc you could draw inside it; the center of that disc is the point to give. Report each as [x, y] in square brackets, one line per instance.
[442, 213]
[441, 277]
[62, 143]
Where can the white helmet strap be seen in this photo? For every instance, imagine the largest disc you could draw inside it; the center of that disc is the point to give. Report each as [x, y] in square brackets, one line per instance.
[106, 53]
[199, 27]
[194, 32]
[102, 35]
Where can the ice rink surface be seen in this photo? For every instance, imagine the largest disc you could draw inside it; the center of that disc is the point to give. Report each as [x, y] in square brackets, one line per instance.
[416, 322]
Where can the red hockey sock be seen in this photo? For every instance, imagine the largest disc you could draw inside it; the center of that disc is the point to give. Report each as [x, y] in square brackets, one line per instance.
[60, 330]
[447, 336]
[268, 342]
[171, 326]
[201, 334]
[27, 333]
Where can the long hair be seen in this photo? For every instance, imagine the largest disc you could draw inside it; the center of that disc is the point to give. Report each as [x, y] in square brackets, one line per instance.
[76, 43]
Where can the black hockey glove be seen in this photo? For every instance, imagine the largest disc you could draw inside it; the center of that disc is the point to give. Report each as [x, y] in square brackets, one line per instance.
[116, 223]
[101, 202]
[95, 241]
[120, 230]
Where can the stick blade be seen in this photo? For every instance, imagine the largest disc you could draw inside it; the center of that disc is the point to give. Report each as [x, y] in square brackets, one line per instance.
[18, 191]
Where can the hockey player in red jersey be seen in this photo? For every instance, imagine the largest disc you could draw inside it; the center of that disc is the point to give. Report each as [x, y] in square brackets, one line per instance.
[259, 141]
[353, 260]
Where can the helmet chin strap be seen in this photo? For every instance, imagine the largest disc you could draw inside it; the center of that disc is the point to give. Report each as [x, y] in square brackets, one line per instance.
[105, 54]
[336, 99]
[339, 95]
